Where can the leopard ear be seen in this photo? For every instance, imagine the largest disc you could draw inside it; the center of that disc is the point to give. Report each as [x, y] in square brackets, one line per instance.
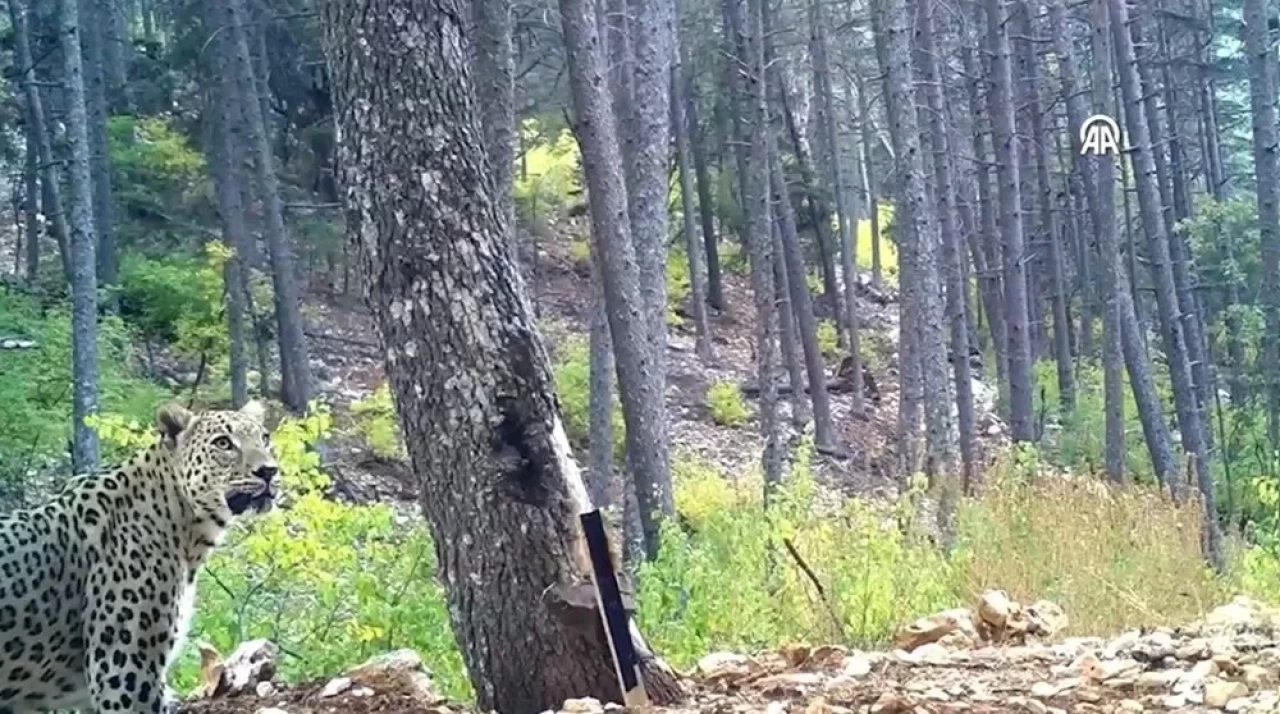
[254, 410]
[172, 419]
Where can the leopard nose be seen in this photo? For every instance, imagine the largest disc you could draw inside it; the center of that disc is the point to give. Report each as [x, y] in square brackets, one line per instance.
[266, 472]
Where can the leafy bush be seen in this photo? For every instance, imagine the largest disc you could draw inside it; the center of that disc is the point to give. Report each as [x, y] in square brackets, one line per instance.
[157, 175]
[828, 339]
[678, 285]
[548, 174]
[35, 385]
[725, 402]
[375, 420]
[177, 299]
[888, 246]
[572, 373]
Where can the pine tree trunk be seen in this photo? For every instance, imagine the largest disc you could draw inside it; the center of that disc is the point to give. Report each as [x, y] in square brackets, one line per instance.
[295, 367]
[35, 114]
[600, 458]
[693, 243]
[1262, 101]
[634, 351]
[870, 193]
[1004, 142]
[1149, 206]
[470, 375]
[1049, 228]
[84, 281]
[31, 206]
[706, 202]
[495, 96]
[788, 340]
[95, 91]
[929, 48]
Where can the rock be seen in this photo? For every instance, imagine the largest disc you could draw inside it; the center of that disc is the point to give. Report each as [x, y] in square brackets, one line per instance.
[1034, 706]
[586, 705]
[1241, 611]
[890, 703]
[1257, 677]
[1218, 692]
[1043, 690]
[857, 666]
[1046, 619]
[1174, 701]
[1157, 680]
[789, 683]
[994, 608]
[264, 689]
[336, 686]
[251, 663]
[1238, 705]
[270, 710]
[1129, 705]
[725, 666]
[1154, 647]
[934, 627]
[401, 670]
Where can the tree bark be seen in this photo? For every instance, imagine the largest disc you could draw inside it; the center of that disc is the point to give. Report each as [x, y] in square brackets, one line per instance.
[1262, 102]
[641, 393]
[470, 375]
[84, 282]
[295, 367]
[1049, 228]
[95, 91]
[706, 203]
[1000, 102]
[930, 48]
[693, 244]
[869, 183]
[495, 95]
[921, 231]
[31, 206]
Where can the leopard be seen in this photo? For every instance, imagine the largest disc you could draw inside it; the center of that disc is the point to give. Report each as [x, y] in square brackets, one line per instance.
[97, 584]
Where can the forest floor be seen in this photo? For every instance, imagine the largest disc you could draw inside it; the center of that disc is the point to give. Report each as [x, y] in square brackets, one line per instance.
[1229, 661]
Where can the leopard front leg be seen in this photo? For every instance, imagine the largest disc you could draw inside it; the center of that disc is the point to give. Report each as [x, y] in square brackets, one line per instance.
[128, 638]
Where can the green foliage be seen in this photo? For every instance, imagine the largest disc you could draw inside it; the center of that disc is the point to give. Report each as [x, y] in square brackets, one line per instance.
[156, 171]
[1078, 440]
[35, 384]
[375, 420]
[177, 299]
[725, 402]
[828, 339]
[329, 582]
[548, 172]
[678, 285]
[888, 247]
[572, 373]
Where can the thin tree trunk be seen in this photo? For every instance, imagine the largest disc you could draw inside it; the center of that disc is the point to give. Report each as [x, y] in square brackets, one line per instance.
[471, 378]
[930, 47]
[95, 91]
[1000, 102]
[787, 338]
[1193, 441]
[495, 97]
[706, 204]
[1262, 102]
[1049, 228]
[31, 176]
[693, 243]
[600, 458]
[84, 282]
[849, 269]
[641, 394]
[869, 184]
[295, 367]
[801, 304]
[49, 184]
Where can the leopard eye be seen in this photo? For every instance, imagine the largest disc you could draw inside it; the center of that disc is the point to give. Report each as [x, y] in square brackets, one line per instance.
[224, 442]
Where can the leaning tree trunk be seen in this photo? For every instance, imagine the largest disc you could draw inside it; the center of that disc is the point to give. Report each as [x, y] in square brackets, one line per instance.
[84, 279]
[495, 93]
[693, 246]
[1193, 441]
[471, 377]
[630, 328]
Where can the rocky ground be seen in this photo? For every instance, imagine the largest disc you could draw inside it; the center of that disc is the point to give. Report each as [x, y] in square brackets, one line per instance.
[997, 657]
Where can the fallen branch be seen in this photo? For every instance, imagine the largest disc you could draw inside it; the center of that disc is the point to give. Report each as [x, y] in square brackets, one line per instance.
[817, 585]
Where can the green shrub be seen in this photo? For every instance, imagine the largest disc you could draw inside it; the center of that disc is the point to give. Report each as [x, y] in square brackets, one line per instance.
[177, 300]
[828, 339]
[548, 175]
[678, 285]
[35, 384]
[725, 402]
[376, 422]
[572, 373]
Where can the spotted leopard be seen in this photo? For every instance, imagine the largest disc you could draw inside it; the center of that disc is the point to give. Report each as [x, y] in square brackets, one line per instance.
[96, 585]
